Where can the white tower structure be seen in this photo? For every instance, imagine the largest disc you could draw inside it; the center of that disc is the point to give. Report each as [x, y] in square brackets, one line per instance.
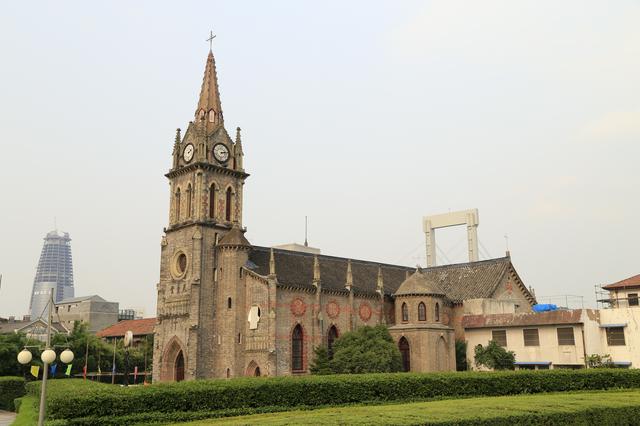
[469, 218]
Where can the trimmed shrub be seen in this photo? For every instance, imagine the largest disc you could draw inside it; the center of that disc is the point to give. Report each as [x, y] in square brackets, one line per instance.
[614, 416]
[10, 389]
[69, 399]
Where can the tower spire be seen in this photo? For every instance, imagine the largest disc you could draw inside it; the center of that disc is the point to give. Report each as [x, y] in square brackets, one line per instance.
[209, 108]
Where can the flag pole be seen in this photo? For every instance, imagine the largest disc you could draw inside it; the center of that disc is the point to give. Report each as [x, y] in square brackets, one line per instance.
[86, 358]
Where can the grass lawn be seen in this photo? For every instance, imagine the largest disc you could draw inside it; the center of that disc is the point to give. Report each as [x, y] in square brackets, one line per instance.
[434, 412]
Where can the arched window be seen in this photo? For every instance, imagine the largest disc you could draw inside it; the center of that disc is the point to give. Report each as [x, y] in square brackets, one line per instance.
[437, 312]
[405, 312]
[229, 303]
[422, 312]
[212, 201]
[296, 349]
[405, 352]
[178, 205]
[331, 337]
[257, 372]
[228, 373]
[228, 205]
[189, 196]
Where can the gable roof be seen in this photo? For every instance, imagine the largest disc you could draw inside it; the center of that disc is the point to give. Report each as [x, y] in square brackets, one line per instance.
[24, 326]
[630, 282]
[139, 327]
[458, 281]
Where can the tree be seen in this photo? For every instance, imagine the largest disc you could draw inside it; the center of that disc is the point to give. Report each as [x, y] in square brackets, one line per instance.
[366, 350]
[461, 355]
[321, 361]
[10, 345]
[494, 356]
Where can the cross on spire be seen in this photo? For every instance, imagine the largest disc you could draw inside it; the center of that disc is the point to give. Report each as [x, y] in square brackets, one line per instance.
[210, 40]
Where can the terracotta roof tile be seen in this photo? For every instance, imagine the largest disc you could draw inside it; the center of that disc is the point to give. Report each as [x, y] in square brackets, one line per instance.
[628, 282]
[516, 320]
[139, 327]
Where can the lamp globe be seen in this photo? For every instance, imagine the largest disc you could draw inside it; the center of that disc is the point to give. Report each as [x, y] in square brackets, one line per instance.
[66, 356]
[48, 356]
[24, 357]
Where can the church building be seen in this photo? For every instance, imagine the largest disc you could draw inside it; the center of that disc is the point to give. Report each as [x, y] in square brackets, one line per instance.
[227, 308]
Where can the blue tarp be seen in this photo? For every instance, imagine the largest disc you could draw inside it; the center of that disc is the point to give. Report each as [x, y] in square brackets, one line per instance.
[545, 307]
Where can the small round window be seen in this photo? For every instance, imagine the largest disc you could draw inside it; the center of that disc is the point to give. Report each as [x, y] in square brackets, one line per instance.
[179, 265]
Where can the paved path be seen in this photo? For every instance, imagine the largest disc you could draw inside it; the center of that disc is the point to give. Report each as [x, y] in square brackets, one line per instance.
[6, 418]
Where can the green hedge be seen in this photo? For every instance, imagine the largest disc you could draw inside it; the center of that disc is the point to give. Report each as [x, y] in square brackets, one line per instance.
[10, 389]
[598, 416]
[76, 399]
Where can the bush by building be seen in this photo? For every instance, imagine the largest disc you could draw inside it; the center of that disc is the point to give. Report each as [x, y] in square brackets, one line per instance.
[10, 389]
[69, 399]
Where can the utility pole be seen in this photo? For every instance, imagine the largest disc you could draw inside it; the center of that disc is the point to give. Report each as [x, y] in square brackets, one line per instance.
[45, 365]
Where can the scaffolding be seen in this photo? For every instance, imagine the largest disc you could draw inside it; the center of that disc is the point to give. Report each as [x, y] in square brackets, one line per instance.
[611, 299]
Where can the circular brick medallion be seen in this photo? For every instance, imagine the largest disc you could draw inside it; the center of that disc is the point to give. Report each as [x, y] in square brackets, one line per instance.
[365, 312]
[298, 307]
[333, 309]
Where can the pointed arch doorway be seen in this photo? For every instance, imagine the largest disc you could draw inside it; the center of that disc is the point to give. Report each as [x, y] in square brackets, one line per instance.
[405, 353]
[178, 369]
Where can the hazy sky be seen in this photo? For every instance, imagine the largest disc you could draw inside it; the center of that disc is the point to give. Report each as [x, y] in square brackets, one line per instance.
[365, 116]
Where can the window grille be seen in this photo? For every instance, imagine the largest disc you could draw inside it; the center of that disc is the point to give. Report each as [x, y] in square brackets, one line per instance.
[531, 337]
[615, 336]
[565, 336]
[500, 337]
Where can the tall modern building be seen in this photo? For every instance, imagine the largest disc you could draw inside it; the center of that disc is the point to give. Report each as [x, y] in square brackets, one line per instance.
[54, 273]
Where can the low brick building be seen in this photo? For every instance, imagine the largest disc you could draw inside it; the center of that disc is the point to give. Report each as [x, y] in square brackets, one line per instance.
[142, 330]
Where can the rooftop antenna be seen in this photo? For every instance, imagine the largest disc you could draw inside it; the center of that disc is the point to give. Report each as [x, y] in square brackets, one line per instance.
[306, 243]
[55, 224]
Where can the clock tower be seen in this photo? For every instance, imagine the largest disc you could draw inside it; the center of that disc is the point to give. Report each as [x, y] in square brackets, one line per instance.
[206, 182]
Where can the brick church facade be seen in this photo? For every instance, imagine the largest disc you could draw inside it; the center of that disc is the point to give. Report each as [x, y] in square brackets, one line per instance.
[227, 308]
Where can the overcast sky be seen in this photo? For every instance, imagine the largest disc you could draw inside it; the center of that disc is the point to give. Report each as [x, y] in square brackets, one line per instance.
[365, 116]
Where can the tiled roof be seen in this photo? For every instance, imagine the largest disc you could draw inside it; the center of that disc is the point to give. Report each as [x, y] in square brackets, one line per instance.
[138, 327]
[629, 282]
[24, 326]
[459, 281]
[419, 283]
[235, 237]
[525, 319]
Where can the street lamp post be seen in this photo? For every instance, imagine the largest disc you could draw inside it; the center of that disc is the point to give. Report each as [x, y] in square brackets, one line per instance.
[47, 356]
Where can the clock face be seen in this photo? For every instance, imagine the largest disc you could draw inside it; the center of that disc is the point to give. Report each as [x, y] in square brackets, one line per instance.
[221, 152]
[187, 154]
